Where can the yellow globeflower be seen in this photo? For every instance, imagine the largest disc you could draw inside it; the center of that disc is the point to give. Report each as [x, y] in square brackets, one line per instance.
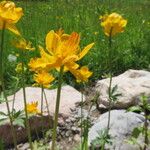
[32, 108]
[9, 15]
[61, 50]
[23, 44]
[43, 78]
[81, 74]
[113, 24]
[18, 68]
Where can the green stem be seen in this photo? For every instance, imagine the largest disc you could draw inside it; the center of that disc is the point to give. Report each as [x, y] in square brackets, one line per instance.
[110, 103]
[82, 145]
[47, 108]
[25, 103]
[42, 89]
[57, 107]
[2, 87]
[14, 97]
[146, 131]
[110, 85]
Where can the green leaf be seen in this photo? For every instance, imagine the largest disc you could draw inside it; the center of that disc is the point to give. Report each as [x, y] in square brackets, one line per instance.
[19, 122]
[136, 132]
[3, 114]
[135, 109]
[132, 141]
[114, 89]
[148, 107]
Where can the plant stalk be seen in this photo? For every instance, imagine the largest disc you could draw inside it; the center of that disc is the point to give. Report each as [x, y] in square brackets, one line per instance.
[57, 107]
[25, 103]
[82, 145]
[2, 87]
[110, 85]
[42, 90]
[146, 131]
[47, 108]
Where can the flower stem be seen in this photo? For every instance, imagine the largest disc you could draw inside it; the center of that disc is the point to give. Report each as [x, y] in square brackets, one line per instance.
[57, 107]
[110, 83]
[110, 86]
[82, 145]
[25, 104]
[2, 87]
[146, 130]
[47, 108]
[42, 90]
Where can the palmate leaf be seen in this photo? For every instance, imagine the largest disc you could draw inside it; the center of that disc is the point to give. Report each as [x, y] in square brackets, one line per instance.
[132, 141]
[114, 94]
[114, 89]
[3, 114]
[19, 122]
[3, 121]
[136, 132]
[135, 109]
[148, 107]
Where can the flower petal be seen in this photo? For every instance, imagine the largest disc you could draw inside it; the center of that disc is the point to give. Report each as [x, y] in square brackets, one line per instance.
[85, 51]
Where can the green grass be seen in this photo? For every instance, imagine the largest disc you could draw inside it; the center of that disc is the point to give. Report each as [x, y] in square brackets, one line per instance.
[131, 48]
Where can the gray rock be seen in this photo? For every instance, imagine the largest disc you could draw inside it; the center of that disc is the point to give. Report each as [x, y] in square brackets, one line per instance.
[131, 85]
[122, 124]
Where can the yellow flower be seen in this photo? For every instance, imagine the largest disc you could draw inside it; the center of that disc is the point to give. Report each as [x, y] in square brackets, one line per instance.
[32, 108]
[23, 44]
[9, 16]
[61, 50]
[18, 68]
[81, 74]
[113, 24]
[95, 33]
[43, 78]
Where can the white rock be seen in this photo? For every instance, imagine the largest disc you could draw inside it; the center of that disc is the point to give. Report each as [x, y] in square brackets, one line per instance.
[131, 85]
[122, 124]
[69, 98]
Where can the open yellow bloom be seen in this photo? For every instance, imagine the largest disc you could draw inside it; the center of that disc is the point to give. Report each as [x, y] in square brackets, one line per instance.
[32, 108]
[9, 16]
[113, 24]
[81, 74]
[43, 78]
[61, 50]
[23, 44]
[37, 64]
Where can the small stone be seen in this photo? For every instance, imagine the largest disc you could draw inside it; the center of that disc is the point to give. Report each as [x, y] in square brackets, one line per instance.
[20, 145]
[68, 133]
[93, 108]
[72, 119]
[73, 128]
[70, 139]
[25, 146]
[50, 144]
[77, 138]
[68, 120]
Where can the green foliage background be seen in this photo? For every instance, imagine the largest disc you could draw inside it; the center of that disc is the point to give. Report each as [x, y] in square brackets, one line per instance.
[131, 49]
